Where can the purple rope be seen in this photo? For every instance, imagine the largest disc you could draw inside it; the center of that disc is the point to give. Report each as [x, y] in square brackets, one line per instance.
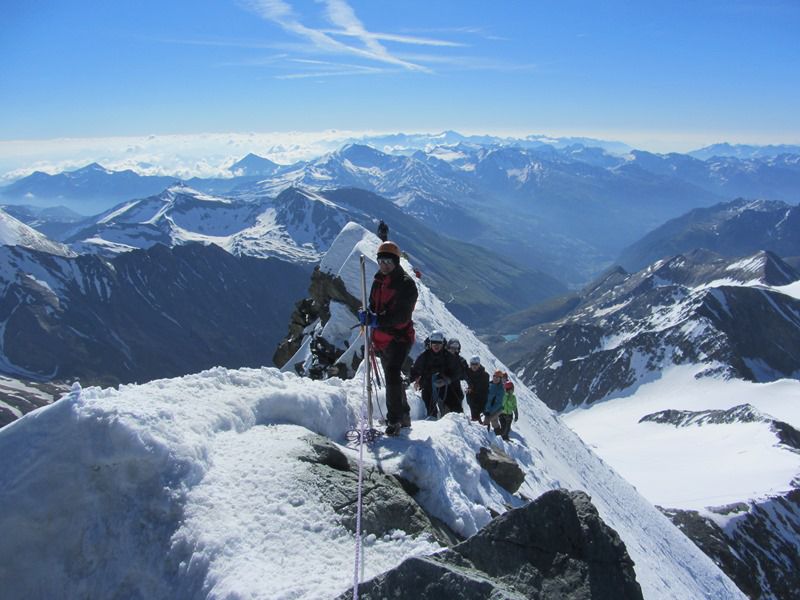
[361, 437]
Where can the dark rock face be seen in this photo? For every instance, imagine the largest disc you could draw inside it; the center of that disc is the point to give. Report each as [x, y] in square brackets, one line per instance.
[555, 547]
[667, 314]
[744, 413]
[757, 547]
[324, 288]
[502, 468]
[145, 314]
[386, 505]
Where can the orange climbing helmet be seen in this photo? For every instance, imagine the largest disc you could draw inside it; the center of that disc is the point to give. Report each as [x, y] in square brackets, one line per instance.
[389, 248]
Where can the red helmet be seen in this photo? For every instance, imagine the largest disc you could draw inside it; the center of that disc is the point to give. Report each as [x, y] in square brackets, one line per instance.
[508, 385]
[389, 248]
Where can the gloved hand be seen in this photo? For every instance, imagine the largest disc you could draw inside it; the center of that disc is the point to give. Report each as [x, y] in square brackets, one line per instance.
[516, 416]
[368, 318]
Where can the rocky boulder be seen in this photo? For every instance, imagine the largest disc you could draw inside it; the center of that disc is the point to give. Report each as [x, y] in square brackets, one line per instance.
[555, 547]
[501, 468]
[386, 504]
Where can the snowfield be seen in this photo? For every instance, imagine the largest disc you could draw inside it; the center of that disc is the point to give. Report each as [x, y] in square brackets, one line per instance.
[181, 488]
[696, 466]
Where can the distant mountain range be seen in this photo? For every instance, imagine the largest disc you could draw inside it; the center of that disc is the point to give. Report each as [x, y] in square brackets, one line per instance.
[300, 225]
[697, 308]
[88, 190]
[571, 208]
[731, 229]
[54, 221]
[744, 151]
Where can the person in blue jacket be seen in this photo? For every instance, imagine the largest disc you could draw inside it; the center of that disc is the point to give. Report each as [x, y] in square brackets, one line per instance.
[494, 403]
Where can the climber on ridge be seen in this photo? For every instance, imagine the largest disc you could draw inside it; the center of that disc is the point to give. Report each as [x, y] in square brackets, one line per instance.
[383, 231]
[391, 306]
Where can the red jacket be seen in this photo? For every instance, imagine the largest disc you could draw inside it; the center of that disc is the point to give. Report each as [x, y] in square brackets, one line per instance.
[393, 298]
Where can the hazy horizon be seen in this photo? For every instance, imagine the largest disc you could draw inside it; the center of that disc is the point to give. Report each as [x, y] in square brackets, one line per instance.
[103, 80]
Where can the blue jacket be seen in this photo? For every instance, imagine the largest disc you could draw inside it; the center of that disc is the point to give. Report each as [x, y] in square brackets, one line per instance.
[494, 403]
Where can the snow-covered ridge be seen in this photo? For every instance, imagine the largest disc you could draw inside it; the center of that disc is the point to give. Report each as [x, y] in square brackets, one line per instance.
[198, 459]
[14, 232]
[182, 215]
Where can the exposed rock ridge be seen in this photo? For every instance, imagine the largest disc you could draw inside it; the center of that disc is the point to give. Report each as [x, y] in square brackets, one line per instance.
[744, 413]
[555, 547]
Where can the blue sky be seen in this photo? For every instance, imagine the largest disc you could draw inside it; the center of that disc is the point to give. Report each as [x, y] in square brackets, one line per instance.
[659, 75]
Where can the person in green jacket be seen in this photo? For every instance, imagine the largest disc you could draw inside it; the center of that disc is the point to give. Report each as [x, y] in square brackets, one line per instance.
[510, 411]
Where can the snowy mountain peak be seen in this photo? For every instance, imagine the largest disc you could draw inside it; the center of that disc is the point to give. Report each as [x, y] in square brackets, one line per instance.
[206, 460]
[180, 192]
[704, 268]
[253, 165]
[92, 168]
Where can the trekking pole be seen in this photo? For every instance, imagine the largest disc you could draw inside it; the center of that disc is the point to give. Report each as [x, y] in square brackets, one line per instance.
[367, 341]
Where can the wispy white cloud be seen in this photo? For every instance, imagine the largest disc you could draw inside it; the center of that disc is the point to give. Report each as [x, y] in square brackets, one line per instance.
[330, 69]
[465, 30]
[394, 37]
[472, 63]
[341, 15]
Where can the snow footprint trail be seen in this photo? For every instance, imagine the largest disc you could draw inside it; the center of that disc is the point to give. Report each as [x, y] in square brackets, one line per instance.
[255, 528]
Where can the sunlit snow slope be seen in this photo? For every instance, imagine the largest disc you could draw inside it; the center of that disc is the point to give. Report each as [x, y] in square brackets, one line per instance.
[180, 488]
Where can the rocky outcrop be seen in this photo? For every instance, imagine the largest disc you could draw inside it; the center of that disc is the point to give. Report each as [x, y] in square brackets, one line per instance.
[754, 543]
[324, 289]
[501, 468]
[386, 504]
[555, 547]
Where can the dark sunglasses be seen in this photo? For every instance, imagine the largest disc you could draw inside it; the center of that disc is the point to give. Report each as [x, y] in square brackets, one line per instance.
[436, 343]
[385, 261]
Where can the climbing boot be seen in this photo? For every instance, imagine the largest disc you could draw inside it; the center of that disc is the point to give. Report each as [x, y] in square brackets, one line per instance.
[393, 429]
